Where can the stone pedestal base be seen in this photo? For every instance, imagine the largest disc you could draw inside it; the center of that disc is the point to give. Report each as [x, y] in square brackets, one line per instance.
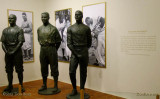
[14, 92]
[49, 91]
[86, 96]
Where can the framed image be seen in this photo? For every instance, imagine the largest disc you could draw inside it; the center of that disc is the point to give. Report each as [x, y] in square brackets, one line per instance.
[94, 16]
[25, 21]
[63, 21]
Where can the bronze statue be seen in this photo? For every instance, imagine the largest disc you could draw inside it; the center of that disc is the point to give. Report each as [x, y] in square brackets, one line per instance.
[79, 41]
[49, 39]
[12, 40]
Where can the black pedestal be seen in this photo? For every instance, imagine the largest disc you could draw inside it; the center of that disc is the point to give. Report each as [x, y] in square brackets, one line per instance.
[14, 92]
[86, 96]
[49, 91]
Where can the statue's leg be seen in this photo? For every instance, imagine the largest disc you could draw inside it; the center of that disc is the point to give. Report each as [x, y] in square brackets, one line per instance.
[53, 61]
[83, 68]
[44, 67]
[20, 77]
[55, 83]
[9, 71]
[73, 80]
[44, 86]
[10, 79]
[72, 73]
[18, 62]
[44, 72]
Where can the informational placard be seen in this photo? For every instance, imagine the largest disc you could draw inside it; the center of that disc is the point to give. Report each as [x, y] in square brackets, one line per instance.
[138, 43]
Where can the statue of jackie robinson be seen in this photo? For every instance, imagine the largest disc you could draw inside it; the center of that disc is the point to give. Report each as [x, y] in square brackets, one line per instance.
[79, 41]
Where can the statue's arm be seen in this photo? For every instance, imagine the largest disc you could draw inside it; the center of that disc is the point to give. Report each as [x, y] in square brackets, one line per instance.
[3, 44]
[58, 39]
[4, 47]
[69, 41]
[38, 34]
[57, 45]
[89, 38]
[16, 48]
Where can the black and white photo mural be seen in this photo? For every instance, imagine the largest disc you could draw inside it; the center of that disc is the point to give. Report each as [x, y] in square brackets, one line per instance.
[63, 21]
[25, 21]
[94, 16]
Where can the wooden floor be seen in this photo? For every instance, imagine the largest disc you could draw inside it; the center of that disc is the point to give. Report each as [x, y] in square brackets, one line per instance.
[32, 91]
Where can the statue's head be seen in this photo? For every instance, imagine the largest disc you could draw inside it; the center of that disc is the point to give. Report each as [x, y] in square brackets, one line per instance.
[78, 15]
[45, 17]
[12, 19]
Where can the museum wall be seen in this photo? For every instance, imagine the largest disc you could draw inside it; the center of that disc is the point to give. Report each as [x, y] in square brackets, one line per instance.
[31, 70]
[132, 41]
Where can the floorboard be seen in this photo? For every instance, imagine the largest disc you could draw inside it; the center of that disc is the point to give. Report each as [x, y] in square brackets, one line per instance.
[33, 86]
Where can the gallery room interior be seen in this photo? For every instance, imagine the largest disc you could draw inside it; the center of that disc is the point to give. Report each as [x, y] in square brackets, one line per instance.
[132, 55]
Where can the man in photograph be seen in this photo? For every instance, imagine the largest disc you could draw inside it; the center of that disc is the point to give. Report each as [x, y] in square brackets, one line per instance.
[67, 51]
[78, 41]
[99, 34]
[49, 39]
[92, 57]
[60, 24]
[97, 49]
[89, 22]
[27, 29]
[12, 40]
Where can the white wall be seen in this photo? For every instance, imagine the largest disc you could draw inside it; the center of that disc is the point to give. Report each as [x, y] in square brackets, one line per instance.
[132, 73]
[124, 72]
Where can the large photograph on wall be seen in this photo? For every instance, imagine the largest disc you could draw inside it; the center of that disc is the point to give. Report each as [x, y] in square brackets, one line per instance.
[63, 21]
[25, 21]
[94, 16]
